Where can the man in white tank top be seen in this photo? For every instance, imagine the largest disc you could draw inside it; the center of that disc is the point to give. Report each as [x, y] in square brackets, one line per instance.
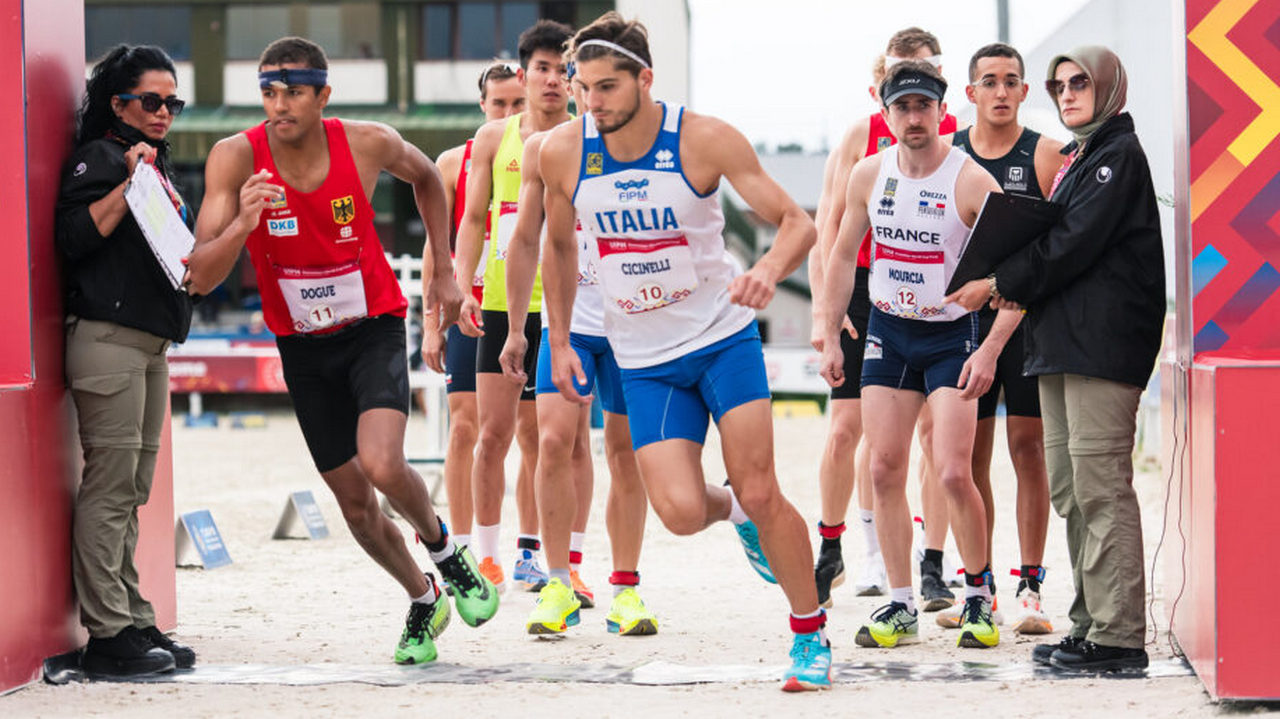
[643, 177]
[919, 198]
[563, 477]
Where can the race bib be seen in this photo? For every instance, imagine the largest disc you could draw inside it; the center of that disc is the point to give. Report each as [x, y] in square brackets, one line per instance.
[643, 275]
[905, 282]
[322, 297]
[506, 229]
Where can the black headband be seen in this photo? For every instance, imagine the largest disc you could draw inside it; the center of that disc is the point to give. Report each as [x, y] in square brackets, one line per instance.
[912, 82]
[284, 77]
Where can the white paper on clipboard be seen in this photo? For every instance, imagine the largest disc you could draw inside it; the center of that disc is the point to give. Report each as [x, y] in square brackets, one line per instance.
[166, 233]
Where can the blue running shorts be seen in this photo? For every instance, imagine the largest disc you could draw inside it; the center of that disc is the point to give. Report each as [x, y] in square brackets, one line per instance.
[672, 400]
[598, 364]
[917, 355]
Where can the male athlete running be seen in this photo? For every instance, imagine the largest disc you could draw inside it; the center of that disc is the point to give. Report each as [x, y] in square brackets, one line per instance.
[678, 306]
[296, 192]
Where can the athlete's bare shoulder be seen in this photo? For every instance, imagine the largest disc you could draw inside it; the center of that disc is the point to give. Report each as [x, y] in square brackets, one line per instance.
[373, 141]
[561, 147]
[703, 130]
[488, 137]
[450, 156]
[1049, 148]
[854, 142]
[230, 160]
[450, 162]
[866, 169]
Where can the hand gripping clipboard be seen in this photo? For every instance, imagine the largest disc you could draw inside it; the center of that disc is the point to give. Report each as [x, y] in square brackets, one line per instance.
[161, 225]
[1006, 224]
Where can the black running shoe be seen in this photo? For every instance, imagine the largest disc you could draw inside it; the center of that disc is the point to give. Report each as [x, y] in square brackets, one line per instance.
[1091, 657]
[184, 657]
[127, 654]
[1042, 652]
[828, 574]
[933, 590]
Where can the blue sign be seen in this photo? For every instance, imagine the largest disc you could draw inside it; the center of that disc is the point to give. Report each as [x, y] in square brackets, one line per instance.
[197, 531]
[301, 506]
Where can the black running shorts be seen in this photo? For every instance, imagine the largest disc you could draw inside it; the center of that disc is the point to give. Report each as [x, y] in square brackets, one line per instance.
[859, 310]
[333, 378]
[1021, 393]
[495, 336]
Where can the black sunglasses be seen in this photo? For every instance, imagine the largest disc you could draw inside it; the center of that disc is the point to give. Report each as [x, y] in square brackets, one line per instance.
[151, 102]
[1077, 83]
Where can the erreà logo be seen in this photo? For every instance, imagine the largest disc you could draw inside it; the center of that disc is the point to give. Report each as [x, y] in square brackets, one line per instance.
[665, 160]
[513, 166]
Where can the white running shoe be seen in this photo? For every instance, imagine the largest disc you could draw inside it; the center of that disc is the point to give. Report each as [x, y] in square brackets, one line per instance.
[872, 581]
[1029, 618]
[949, 618]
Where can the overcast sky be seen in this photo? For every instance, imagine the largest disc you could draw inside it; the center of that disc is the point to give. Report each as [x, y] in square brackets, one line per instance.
[798, 71]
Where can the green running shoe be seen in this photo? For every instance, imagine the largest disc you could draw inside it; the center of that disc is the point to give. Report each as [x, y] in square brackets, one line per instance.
[556, 611]
[475, 596]
[890, 626]
[977, 627]
[628, 616]
[424, 623]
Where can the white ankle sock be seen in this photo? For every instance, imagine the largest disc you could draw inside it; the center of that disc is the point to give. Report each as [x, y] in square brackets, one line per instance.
[487, 541]
[433, 593]
[576, 541]
[904, 595]
[450, 546]
[869, 535]
[736, 515]
[462, 540]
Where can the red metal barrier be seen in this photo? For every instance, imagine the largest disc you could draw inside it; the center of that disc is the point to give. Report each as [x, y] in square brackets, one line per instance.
[42, 61]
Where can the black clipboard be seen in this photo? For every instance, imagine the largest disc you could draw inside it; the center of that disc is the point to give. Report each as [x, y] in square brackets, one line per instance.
[1006, 224]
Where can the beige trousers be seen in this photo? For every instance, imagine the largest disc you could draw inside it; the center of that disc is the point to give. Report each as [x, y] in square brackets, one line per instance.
[119, 380]
[1089, 427]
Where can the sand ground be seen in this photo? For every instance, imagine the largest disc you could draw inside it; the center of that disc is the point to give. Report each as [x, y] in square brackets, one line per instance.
[304, 602]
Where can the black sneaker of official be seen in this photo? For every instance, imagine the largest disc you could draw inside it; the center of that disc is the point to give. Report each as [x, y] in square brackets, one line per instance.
[829, 573]
[127, 654]
[184, 657]
[933, 590]
[1091, 657]
[1042, 653]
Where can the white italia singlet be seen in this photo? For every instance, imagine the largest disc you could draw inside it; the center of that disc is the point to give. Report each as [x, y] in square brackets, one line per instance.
[588, 303]
[918, 238]
[663, 266]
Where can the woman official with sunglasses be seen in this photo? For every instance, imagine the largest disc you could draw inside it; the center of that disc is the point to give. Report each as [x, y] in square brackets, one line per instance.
[1094, 292]
[122, 314]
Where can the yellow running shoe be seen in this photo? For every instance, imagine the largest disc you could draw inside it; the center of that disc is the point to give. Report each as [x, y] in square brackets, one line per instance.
[556, 611]
[493, 572]
[977, 629]
[891, 625]
[586, 596]
[629, 617]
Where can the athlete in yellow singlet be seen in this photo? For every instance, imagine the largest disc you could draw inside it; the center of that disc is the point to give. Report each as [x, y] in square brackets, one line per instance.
[495, 178]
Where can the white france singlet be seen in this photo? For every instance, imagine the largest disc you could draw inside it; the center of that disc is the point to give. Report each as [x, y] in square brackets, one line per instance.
[917, 237]
[663, 267]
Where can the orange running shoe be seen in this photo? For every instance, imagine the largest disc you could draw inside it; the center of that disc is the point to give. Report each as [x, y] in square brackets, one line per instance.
[585, 595]
[493, 572]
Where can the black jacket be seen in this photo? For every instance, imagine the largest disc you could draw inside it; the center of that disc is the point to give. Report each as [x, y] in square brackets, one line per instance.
[115, 278]
[1093, 285]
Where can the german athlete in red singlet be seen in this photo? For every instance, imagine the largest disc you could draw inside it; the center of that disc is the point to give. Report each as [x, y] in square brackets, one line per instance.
[296, 192]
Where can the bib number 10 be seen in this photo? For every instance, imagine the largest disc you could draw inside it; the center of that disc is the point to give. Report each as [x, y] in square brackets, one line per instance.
[650, 292]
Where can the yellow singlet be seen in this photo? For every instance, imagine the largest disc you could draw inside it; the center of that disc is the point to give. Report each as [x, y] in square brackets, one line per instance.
[502, 219]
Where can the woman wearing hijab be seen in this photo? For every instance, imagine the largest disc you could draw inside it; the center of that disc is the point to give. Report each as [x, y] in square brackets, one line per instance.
[122, 313]
[1093, 291]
